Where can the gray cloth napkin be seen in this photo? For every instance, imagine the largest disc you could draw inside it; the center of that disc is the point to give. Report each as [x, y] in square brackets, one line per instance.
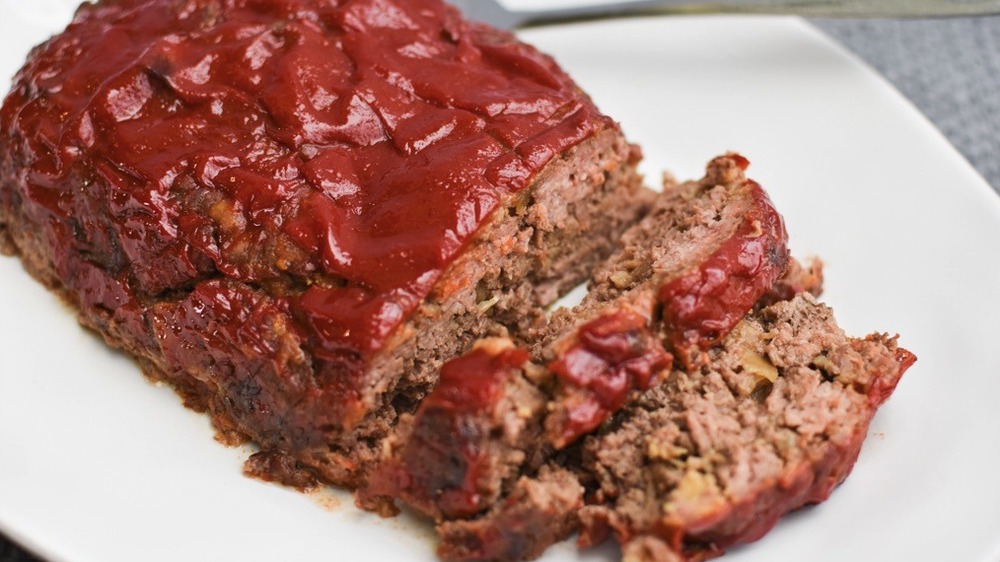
[949, 68]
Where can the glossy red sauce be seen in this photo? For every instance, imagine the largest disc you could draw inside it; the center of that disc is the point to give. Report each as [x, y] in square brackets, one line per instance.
[447, 457]
[702, 305]
[340, 152]
[474, 381]
[469, 385]
[611, 356]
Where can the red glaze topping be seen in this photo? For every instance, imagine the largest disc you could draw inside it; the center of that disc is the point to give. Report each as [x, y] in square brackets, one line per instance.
[610, 357]
[701, 306]
[340, 152]
[447, 455]
[470, 384]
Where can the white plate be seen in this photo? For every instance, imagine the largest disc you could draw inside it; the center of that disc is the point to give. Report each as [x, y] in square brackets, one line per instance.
[96, 464]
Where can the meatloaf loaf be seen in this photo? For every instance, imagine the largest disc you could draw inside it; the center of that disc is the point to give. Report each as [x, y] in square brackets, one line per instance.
[295, 210]
[334, 225]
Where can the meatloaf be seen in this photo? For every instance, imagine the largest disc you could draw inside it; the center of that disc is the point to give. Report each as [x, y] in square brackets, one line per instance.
[683, 276]
[335, 226]
[700, 429]
[713, 457]
[295, 210]
[710, 458]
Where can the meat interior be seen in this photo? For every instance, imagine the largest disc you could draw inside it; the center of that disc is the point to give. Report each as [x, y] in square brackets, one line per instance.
[760, 375]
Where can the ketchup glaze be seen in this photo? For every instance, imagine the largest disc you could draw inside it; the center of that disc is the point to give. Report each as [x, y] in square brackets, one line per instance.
[337, 154]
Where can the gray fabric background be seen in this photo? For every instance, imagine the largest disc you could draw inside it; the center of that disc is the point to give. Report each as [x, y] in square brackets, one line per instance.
[949, 68]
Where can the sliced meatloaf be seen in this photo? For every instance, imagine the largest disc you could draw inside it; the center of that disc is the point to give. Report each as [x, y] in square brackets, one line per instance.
[334, 225]
[684, 276]
[714, 456]
[538, 511]
[492, 454]
[692, 269]
[295, 210]
[711, 457]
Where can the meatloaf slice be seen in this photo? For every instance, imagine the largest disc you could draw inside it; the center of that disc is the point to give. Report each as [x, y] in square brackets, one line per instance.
[495, 415]
[295, 210]
[687, 273]
[538, 511]
[714, 456]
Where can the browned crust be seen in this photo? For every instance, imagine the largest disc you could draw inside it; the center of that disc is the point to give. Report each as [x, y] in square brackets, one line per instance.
[537, 513]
